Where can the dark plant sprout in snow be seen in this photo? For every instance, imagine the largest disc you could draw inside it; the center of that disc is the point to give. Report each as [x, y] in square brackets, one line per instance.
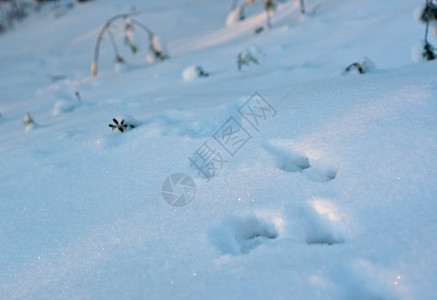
[429, 52]
[429, 14]
[355, 66]
[121, 126]
[363, 66]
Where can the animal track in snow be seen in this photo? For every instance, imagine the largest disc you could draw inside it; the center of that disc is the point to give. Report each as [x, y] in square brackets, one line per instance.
[239, 235]
[291, 161]
[316, 222]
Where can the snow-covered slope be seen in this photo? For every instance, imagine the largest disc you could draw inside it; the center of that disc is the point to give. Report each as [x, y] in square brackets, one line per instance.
[331, 195]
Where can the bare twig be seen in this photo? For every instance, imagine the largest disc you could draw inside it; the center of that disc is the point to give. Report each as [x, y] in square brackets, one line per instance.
[105, 28]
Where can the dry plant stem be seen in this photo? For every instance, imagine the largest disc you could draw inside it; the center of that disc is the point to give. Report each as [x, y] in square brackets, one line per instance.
[105, 28]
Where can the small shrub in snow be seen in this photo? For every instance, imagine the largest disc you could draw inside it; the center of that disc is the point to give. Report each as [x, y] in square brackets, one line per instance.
[15, 11]
[424, 51]
[428, 13]
[302, 6]
[269, 6]
[193, 72]
[28, 121]
[237, 13]
[129, 36]
[428, 52]
[365, 65]
[248, 56]
[12, 12]
[123, 123]
[156, 49]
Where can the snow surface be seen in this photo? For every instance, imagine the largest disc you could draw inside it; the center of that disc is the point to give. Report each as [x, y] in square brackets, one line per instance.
[333, 197]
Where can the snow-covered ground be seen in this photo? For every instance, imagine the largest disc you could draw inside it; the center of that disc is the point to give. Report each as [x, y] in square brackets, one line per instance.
[331, 195]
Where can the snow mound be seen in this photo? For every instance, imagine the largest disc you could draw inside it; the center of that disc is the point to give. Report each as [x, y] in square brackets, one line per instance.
[363, 66]
[193, 72]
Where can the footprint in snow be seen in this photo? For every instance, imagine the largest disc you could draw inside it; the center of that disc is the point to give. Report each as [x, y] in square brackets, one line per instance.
[291, 161]
[317, 222]
[314, 222]
[238, 235]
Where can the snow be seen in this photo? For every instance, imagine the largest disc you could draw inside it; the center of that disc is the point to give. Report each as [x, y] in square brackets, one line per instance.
[330, 197]
[234, 16]
[193, 72]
